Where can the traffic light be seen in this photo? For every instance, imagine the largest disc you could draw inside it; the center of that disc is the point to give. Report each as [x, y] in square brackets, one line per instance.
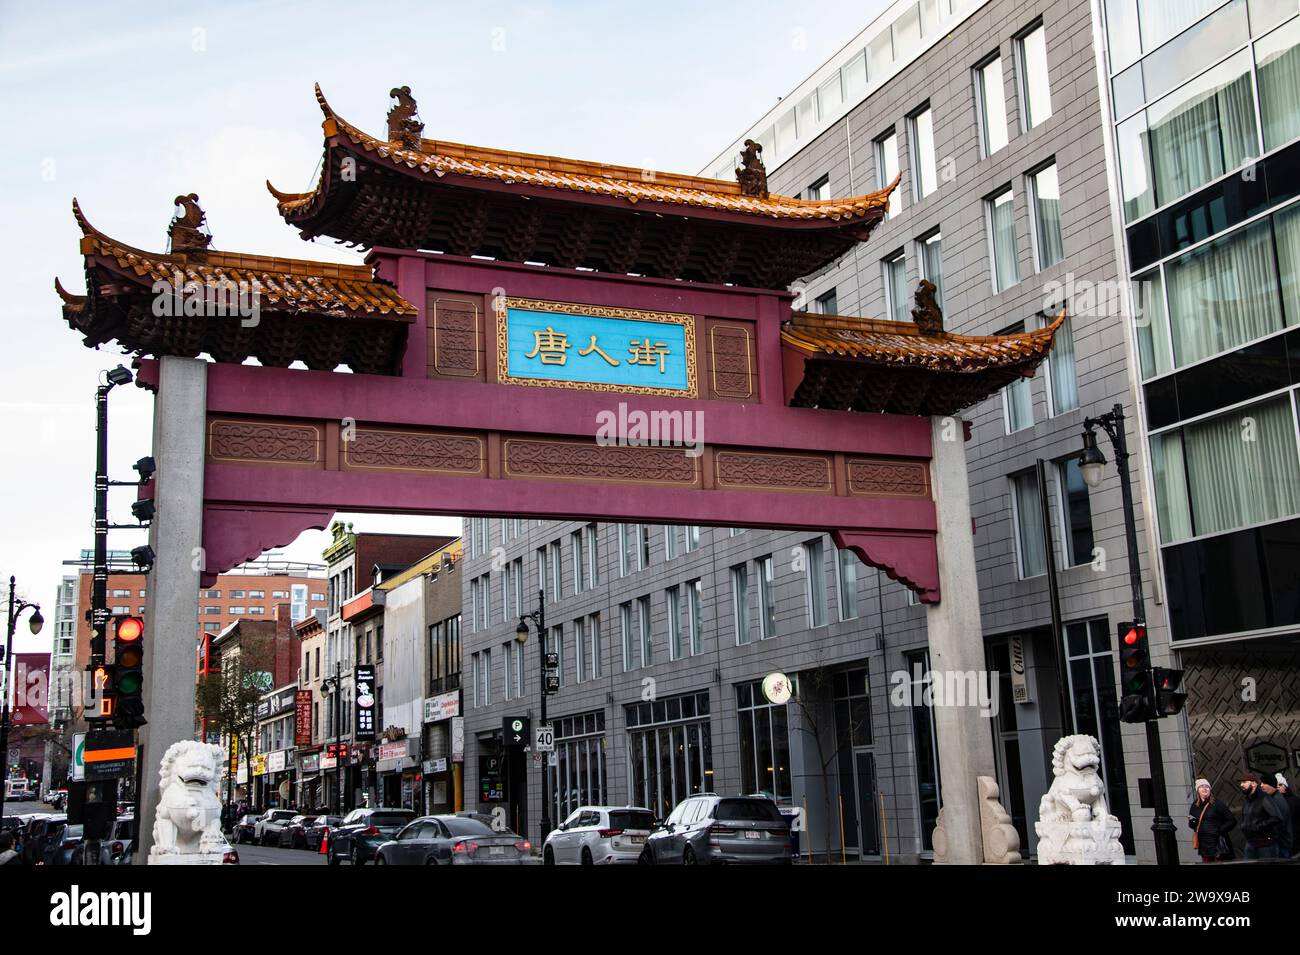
[1137, 697]
[128, 664]
[1168, 684]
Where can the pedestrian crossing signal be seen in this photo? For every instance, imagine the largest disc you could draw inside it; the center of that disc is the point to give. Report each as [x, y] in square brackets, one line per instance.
[1168, 684]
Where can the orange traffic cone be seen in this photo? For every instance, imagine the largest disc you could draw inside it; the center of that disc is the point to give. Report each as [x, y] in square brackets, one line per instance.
[325, 843]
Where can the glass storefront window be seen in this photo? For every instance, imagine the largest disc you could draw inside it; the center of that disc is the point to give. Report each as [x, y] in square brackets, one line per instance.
[670, 756]
[764, 744]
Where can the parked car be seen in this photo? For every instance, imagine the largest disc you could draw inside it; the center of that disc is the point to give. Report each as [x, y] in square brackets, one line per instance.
[362, 831]
[293, 832]
[453, 840]
[59, 799]
[599, 835]
[116, 849]
[36, 834]
[317, 831]
[231, 856]
[714, 830]
[266, 830]
[246, 828]
[62, 840]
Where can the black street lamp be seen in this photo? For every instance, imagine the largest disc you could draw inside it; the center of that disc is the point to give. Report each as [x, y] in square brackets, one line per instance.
[335, 683]
[16, 607]
[538, 617]
[1092, 466]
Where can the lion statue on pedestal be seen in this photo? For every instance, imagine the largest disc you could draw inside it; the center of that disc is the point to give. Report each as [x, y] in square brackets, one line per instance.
[187, 826]
[1075, 826]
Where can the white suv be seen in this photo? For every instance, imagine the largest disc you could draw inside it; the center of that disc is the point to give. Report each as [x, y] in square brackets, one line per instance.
[266, 831]
[599, 835]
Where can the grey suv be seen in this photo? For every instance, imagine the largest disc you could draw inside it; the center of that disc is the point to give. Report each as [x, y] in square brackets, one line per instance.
[720, 830]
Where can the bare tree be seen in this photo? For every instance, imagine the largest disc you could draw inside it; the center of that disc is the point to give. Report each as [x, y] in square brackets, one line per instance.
[819, 684]
[227, 698]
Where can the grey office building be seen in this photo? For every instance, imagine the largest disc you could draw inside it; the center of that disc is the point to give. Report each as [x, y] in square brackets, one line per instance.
[1041, 167]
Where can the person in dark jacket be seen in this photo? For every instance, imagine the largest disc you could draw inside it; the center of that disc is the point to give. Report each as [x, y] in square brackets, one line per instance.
[7, 854]
[1210, 821]
[1261, 821]
[1293, 806]
[1285, 837]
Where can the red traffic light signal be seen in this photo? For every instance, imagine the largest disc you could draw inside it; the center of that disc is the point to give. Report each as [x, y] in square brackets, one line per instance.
[128, 664]
[1137, 697]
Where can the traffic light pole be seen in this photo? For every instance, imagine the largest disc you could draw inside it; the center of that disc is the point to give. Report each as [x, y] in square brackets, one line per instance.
[1162, 826]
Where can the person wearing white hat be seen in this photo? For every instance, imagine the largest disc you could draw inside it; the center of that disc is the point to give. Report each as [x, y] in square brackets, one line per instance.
[1210, 821]
[1293, 810]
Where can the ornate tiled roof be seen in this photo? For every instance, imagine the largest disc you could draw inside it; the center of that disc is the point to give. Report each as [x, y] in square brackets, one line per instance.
[865, 364]
[408, 192]
[294, 285]
[439, 157]
[194, 300]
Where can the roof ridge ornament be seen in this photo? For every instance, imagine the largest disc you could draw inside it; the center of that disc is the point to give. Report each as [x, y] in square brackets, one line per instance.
[404, 126]
[927, 314]
[751, 173]
[185, 231]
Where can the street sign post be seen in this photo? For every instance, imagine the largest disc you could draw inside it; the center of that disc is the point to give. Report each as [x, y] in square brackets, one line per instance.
[78, 757]
[110, 754]
[544, 738]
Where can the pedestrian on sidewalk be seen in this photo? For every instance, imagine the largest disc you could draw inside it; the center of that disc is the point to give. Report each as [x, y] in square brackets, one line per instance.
[1261, 821]
[1210, 821]
[1293, 806]
[1285, 837]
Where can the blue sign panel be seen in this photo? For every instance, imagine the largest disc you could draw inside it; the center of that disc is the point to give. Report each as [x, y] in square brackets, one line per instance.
[601, 349]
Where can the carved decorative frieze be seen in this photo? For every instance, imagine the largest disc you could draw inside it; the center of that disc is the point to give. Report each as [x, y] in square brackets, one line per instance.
[455, 338]
[264, 442]
[893, 478]
[384, 450]
[732, 357]
[780, 472]
[591, 462]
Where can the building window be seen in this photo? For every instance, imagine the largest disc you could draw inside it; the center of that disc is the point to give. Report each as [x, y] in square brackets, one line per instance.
[826, 303]
[930, 248]
[1076, 514]
[239, 595]
[670, 752]
[579, 561]
[895, 273]
[692, 537]
[593, 554]
[847, 567]
[816, 582]
[1027, 513]
[595, 649]
[647, 635]
[1277, 66]
[212, 611]
[237, 611]
[557, 581]
[923, 744]
[821, 189]
[764, 744]
[578, 776]
[626, 549]
[1227, 472]
[1017, 399]
[507, 664]
[695, 589]
[1095, 702]
[924, 174]
[1045, 201]
[625, 628]
[766, 598]
[740, 603]
[1000, 212]
[121, 593]
[212, 594]
[670, 541]
[1062, 379]
[251, 610]
[542, 575]
[579, 649]
[1035, 86]
[257, 595]
[887, 170]
[674, 605]
[992, 104]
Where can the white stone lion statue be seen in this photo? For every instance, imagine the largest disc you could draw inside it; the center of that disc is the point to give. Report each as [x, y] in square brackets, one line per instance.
[188, 821]
[1075, 826]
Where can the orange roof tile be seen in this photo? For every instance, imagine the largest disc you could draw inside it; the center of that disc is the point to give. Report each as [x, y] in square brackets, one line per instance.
[290, 285]
[634, 185]
[902, 344]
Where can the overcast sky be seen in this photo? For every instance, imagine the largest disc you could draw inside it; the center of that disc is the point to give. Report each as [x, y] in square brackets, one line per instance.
[125, 105]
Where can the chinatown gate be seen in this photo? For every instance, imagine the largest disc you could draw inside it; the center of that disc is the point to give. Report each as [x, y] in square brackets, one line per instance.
[517, 321]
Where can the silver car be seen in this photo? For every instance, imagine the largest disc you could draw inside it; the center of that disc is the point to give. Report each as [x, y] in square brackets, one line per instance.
[720, 830]
[599, 835]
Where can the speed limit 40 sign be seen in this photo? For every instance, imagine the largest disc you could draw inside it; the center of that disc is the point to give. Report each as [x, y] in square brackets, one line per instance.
[544, 739]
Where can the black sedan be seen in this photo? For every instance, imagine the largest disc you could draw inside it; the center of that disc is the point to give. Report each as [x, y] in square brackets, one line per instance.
[319, 829]
[246, 829]
[453, 840]
[361, 833]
